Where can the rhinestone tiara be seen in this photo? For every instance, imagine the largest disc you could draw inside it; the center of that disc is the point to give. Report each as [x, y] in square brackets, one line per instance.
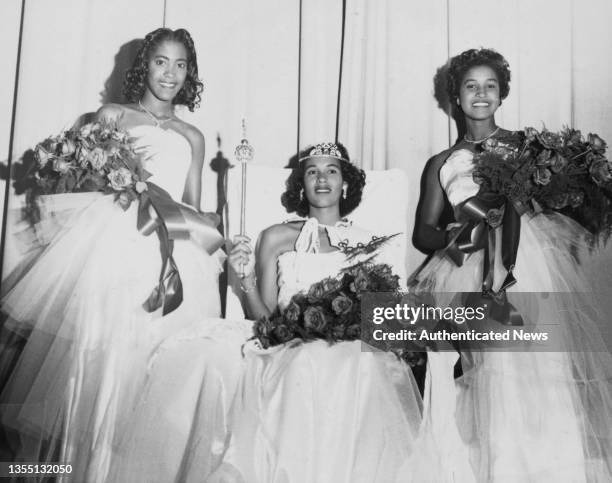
[327, 150]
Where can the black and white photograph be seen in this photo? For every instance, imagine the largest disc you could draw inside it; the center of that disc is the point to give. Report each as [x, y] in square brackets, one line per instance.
[306, 241]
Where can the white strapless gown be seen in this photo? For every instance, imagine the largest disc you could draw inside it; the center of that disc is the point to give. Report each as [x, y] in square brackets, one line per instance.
[89, 339]
[319, 413]
[521, 416]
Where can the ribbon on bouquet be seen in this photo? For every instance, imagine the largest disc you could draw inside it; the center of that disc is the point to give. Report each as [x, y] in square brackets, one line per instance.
[158, 212]
[484, 213]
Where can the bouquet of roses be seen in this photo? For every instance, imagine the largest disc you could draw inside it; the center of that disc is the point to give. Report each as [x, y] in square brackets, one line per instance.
[330, 310]
[546, 170]
[98, 156]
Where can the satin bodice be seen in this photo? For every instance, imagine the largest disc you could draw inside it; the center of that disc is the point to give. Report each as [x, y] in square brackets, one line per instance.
[456, 177]
[166, 155]
[305, 265]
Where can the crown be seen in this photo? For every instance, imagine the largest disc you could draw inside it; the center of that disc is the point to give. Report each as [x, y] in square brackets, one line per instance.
[328, 150]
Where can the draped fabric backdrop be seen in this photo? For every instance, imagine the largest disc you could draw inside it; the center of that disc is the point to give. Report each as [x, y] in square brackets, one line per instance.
[74, 52]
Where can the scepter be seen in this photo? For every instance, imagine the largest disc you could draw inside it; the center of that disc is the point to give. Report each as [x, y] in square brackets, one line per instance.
[244, 154]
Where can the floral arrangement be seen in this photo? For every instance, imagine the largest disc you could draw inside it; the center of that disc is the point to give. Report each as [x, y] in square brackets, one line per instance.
[330, 310]
[540, 170]
[98, 156]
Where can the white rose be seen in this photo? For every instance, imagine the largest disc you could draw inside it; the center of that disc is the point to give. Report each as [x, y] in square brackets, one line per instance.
[120, 178]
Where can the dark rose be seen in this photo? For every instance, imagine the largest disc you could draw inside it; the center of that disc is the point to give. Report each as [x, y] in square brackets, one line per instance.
[314, 319]
[601, 171]
[342, 304]
[495, 217]
[331, 284]
[542, 176]
[353, 331]
[597, 144]
[283, 333]
[543, 158]
[338, 331]
[550, 140]
[292, 312]
[530, 133]
[576, 198]
[360, 282]
[263, 327]
[574, 137]
[557, 163]
[559, 201]
[316, 292]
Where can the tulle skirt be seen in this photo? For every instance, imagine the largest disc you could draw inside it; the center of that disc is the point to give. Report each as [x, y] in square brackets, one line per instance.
[527, 415]
[315, 413]
[79, 305]
[178, 429]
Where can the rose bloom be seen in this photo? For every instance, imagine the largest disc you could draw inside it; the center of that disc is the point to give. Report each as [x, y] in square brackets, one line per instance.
[353, 331]
[495, 217]
[557, 163]
[338, 331]
[559, 201]
[292, 312]
[119, 136]
[342, 304]
[314, 319]
[68, 147]
[576, 198]
[85, 130]
[120, 178]
[542, 176]
[600, 171]
[550, 140]
[316, 292]
[82, 155]
[360, 283]
[283, 333]
[530, 133]
[42, 155]
[61, 165]
[597, 144]
[98, 158]
[543, 158]
[263, 327]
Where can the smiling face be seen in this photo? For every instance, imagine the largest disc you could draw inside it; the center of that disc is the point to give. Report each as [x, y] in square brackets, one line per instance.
[479, 93]
[167, 70]
[323, 181]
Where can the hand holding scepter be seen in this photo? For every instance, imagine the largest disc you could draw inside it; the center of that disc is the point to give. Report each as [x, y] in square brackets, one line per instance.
[244, 154]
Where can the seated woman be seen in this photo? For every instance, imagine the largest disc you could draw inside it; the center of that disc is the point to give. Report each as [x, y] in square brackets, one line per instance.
[311, 411]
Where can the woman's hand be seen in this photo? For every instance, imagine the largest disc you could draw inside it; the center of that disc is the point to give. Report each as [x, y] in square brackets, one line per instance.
[242, 258]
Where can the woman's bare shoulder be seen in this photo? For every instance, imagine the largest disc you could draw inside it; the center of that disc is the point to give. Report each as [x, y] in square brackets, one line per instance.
[281, 237]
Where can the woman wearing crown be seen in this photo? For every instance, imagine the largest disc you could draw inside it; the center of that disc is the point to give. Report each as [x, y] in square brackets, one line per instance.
[525, 415]
[311, 411]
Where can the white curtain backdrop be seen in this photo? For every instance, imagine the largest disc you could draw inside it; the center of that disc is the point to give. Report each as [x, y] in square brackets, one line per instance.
[74, 52]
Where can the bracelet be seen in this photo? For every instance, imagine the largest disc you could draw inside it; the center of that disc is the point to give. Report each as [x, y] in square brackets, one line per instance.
[246, 288]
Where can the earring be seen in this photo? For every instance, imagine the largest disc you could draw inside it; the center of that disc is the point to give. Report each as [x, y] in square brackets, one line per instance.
[302, 194]
[344, 190]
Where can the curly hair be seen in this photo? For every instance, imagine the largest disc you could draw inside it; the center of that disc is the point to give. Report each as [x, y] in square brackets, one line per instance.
[135, 78]
[460, 64]
[293, 200]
